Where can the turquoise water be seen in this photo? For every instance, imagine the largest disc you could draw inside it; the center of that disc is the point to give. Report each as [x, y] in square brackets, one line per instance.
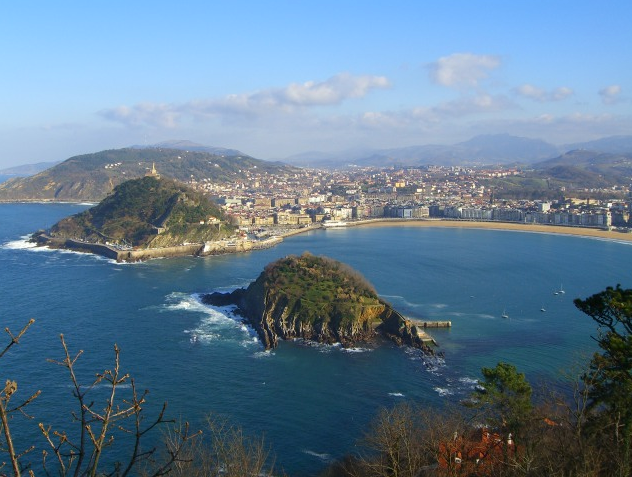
[311, 402]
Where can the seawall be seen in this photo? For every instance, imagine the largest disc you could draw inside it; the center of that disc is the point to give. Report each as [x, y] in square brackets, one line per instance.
[136, 255]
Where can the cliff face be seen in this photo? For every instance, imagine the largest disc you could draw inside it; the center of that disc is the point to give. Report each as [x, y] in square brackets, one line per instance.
[317, 299]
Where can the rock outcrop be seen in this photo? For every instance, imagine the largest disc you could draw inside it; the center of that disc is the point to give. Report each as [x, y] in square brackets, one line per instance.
[318, 299]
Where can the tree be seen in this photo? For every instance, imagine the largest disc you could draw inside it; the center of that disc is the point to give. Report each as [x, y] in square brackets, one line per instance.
[609, 380]
[81, 450]
[7, 411]
[228, 452]
[393, 444]
[506, 394]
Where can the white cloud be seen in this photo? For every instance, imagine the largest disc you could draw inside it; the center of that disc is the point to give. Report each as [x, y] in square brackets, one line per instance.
[537, 94]
[462, 69]
[151, 114]
[611, 94]
[570, 128]
[295, 96]
[441, 116]
[333, 91]
[481, 103]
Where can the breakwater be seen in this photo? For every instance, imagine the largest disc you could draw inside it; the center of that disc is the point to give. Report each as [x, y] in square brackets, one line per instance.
[435, 324]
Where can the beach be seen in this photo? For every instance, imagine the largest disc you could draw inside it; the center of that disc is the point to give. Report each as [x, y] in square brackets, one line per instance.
[513, 226]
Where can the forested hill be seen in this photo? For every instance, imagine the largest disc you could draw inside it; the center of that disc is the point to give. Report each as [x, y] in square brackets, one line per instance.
[147, 212]
[91, 177]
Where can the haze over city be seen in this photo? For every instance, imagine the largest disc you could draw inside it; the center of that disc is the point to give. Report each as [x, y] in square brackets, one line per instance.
[278, 78]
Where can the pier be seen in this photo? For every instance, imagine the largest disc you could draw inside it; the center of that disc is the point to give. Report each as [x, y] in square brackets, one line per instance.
[419, 327]
[435, 324]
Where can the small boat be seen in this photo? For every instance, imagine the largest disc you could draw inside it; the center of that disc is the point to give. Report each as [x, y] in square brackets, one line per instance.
[505, 315]
[561, 290]
[542, 309]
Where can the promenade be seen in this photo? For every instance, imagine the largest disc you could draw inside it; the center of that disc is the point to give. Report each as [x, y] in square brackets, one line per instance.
[512, 226]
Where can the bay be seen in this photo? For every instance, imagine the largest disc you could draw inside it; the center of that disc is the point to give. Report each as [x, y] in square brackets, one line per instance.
[310, 402]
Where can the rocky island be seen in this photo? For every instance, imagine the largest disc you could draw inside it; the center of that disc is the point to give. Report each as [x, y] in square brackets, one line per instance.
[318, 299]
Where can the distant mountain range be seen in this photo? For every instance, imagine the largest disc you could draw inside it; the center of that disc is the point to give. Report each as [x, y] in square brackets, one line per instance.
[27, 169]
[480, 150]
[90, 177]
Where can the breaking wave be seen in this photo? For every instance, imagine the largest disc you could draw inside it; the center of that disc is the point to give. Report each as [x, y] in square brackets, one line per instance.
[217, 323]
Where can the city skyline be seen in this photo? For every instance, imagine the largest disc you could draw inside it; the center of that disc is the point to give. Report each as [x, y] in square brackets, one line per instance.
[278, 78]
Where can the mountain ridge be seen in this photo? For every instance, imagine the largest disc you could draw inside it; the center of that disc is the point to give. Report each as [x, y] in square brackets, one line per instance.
[91, 177]
[479, 150]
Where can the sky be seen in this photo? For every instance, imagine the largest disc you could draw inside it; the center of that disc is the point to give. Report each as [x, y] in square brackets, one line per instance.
[276, 78]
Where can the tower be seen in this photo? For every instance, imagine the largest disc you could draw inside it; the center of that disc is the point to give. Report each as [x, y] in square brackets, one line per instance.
[153, 172]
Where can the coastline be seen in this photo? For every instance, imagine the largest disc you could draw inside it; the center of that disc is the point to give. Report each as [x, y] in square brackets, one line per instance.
[219, 248]
[509, 226]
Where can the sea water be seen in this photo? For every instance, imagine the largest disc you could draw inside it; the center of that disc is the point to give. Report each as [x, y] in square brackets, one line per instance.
[311, 402]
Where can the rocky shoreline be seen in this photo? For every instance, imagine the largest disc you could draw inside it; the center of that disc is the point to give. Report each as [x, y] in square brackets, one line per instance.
[275, 324]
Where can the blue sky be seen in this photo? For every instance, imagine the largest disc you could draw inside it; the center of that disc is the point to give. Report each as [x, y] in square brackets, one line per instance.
[274, 78]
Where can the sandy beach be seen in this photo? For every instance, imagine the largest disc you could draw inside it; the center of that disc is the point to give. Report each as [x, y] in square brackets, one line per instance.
[535, 228]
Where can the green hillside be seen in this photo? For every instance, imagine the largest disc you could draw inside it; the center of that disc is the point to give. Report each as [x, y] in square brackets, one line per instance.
[589, 168]
[147, 212]
[91, 177]
[572, 173]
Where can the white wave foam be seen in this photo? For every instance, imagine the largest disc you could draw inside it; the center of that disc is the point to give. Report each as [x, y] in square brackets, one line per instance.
[328, 348]
[396, 394]
[443, 391]
[356, 350]
[432, 363]
[178, 301]
[217, 323]
[24, 244]
[392, 296]
[469, 381]
[323, 457]
[321, 347]
[403, 301]
[254, 339]
[21, 244]
[486, 316]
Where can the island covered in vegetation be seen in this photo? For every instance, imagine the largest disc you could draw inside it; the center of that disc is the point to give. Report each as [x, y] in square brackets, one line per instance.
[318, 299]
[146, 213]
